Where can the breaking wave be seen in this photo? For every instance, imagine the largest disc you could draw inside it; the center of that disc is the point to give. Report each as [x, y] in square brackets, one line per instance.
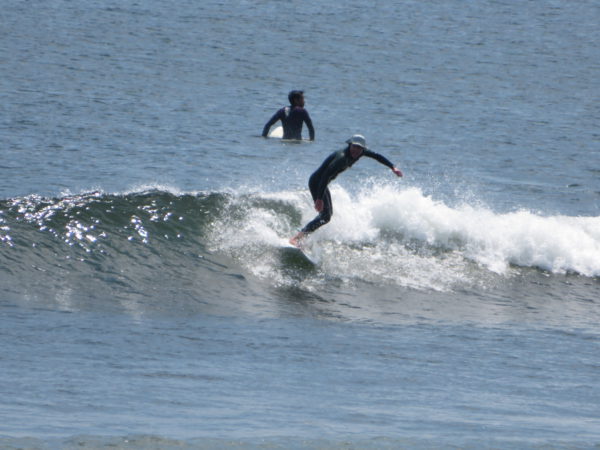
[162, 241]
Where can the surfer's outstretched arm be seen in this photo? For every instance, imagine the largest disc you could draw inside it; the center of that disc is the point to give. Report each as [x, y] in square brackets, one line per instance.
[383, 160]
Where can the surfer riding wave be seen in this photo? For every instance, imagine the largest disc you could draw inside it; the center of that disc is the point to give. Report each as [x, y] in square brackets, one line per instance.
[333, 165]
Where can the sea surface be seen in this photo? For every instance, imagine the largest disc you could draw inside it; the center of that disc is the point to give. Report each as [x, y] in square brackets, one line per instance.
[145, 297]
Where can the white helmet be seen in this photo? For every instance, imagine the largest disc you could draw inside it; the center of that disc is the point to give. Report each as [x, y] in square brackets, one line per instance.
[358, 139]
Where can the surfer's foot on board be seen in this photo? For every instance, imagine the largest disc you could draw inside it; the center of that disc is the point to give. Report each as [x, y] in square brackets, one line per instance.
[295, 241]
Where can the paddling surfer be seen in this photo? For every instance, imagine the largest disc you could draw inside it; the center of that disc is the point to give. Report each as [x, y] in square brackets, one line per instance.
[292, 117]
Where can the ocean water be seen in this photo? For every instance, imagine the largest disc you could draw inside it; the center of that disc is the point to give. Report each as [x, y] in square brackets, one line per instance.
[146, 301]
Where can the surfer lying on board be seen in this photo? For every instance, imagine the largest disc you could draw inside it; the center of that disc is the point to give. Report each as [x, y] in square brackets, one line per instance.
[335, 164]
[292, 118]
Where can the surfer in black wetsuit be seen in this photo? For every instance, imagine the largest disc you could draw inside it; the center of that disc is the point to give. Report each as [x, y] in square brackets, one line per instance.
[292, 117]
[335, 164]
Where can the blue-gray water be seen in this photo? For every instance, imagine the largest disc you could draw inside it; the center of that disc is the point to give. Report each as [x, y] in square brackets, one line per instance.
[146, 302]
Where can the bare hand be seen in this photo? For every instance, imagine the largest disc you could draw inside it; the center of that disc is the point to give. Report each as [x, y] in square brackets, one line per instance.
[397, 171]
[319, 205]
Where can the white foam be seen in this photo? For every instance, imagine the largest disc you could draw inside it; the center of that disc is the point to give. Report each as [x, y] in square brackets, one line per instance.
[558, 244]
[401, 236]
[148, 187]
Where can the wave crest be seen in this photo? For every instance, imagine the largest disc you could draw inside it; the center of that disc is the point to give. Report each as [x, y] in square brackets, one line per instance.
[381, 234]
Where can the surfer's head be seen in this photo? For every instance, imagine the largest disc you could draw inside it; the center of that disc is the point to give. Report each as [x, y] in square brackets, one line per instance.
[296, 98]
[357, 145]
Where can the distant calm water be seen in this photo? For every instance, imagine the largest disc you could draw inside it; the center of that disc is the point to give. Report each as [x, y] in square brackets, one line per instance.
[146, 302]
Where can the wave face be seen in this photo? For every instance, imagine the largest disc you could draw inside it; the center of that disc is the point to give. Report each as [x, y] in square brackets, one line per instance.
[161, 243]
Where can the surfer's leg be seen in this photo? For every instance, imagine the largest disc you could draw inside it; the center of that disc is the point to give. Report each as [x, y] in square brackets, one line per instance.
[327, 205]
[323, 217]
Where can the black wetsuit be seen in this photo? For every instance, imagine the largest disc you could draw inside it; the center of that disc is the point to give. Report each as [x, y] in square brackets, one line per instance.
[335, 164]
[291, 118]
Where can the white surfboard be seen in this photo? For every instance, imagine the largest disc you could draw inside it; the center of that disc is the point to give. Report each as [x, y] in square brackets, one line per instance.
[276, 132]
